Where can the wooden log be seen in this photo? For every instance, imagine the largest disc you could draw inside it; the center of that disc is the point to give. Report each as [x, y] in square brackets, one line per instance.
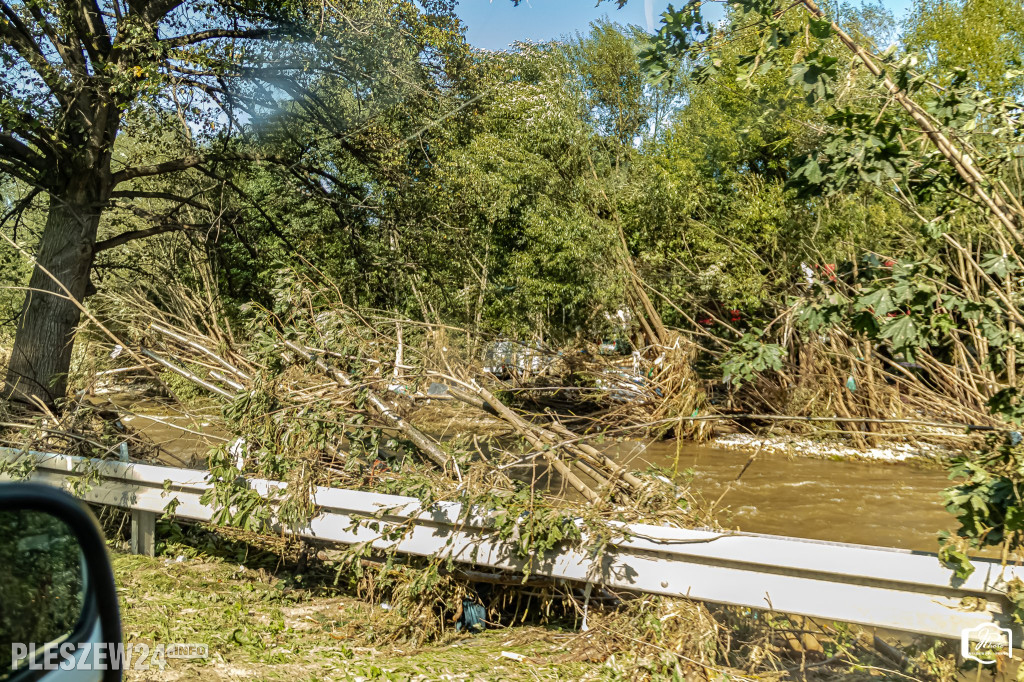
[202, 349]
[618, 471]
[230, 382]
[591, 455]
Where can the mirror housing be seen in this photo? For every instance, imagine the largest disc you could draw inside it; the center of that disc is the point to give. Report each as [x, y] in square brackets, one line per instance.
[73, 659]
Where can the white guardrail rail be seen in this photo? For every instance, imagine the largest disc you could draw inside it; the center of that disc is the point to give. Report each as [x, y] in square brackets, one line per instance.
[875, 586]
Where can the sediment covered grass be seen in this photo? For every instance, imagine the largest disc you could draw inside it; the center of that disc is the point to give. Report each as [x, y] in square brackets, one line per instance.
[261, 626]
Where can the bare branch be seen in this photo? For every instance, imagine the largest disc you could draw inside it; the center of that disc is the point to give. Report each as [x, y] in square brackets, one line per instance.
[177, 165]
[14, 149]
[92, 32]
[132, 235]
[153, 10]
[167, 196]
[19, 171]
[212, 34]
[14, 32]
[18, 208]
[67, 52]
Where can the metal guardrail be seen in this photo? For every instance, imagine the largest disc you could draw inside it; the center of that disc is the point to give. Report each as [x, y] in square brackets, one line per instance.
[875, 586]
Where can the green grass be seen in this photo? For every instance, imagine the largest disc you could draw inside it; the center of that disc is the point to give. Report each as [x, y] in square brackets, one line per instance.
[259, 626]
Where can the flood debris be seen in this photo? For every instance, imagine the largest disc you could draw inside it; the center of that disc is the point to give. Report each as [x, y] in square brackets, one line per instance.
[317, 393]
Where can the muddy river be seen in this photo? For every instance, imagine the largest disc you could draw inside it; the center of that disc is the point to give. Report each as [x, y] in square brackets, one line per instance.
[893, 505]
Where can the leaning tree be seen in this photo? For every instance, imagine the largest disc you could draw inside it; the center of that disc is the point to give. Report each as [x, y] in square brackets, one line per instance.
[77, 74]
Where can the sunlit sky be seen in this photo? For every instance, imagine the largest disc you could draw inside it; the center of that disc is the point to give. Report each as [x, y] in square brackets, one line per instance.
[494, 24]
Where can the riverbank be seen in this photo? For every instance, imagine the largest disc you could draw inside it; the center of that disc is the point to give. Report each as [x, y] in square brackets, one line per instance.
[795, 486]
[186, 436]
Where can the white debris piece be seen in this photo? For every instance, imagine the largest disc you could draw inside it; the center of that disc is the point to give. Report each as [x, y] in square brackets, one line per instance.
[808, 273]
[239, 450]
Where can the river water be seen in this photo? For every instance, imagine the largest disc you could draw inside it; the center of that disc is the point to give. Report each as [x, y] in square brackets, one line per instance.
[884, 504]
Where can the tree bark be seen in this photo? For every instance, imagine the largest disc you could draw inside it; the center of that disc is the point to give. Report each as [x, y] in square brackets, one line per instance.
[41, 357]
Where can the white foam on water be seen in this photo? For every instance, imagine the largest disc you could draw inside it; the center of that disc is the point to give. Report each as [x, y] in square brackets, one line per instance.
[791, 445]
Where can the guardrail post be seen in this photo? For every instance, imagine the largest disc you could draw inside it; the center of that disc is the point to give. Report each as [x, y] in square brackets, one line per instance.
[143, 532]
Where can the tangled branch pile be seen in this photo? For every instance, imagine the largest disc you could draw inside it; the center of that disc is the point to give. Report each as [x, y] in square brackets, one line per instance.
[322, 394]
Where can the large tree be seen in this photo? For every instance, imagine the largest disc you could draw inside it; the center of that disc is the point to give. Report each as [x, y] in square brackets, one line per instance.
[77, 74]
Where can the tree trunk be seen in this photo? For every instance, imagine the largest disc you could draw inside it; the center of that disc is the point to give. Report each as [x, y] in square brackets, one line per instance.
[41, 356]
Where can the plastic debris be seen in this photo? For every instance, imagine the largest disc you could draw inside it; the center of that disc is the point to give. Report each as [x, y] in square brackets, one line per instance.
[472, 618]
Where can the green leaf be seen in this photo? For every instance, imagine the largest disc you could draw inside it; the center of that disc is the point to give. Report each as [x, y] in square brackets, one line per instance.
[814, 74]
[997, 264]
[902, 333]
[812, 171]
[879, 302]
[1007, 404]
[956, 561]
[820, 28]
[1014, 520]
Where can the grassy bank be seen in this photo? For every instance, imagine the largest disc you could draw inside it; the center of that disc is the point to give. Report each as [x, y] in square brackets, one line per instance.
[260, 626]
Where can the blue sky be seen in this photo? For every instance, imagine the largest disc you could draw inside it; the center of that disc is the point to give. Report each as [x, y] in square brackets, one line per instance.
[493, 24]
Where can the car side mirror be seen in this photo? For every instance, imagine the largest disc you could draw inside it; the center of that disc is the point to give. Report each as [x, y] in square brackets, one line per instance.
[59, 618]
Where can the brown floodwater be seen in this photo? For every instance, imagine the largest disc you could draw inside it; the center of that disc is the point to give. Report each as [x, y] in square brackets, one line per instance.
[884, 504]
[182, 441]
